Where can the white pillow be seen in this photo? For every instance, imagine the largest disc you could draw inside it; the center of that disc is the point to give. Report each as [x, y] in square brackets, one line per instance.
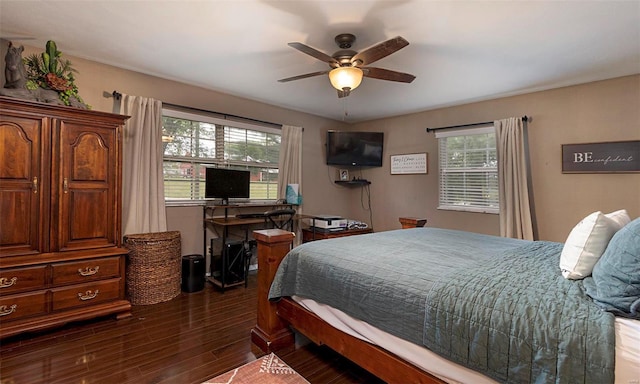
[621, 218]
[586, 243]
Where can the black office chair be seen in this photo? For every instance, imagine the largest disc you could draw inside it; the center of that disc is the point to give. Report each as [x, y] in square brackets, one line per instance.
[280, 218]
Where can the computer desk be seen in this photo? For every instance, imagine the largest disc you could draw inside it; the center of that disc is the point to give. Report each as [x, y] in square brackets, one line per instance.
[229, 221]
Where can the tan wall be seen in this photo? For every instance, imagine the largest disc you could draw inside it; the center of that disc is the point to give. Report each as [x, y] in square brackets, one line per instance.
[595, 112]
[601, 111]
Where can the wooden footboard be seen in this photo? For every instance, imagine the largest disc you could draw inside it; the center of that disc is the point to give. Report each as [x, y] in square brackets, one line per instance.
[270, 333]
[273, 329]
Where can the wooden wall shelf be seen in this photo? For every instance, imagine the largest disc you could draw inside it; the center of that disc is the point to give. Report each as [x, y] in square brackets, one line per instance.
[353, 183]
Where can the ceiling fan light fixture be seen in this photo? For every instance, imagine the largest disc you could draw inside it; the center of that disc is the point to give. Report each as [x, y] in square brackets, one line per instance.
[346, 77]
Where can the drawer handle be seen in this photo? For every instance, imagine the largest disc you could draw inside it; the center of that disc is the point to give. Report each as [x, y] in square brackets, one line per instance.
[35, 185]
[88, 295]
[88, 271]
[4, 311]
[6, 283]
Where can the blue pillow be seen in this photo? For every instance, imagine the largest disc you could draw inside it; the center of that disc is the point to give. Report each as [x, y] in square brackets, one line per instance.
[615, 283]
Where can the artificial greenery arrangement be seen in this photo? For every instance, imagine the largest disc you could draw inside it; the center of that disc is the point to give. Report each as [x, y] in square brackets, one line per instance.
[49, 71]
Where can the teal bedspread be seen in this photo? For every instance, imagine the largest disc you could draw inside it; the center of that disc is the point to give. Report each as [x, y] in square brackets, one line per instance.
[386, 278]
[516, 319]
[382, 278]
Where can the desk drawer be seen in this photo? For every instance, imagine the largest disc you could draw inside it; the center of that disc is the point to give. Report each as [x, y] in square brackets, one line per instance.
[22, 279]
[86, 270]
[22, 305]
[86, 294]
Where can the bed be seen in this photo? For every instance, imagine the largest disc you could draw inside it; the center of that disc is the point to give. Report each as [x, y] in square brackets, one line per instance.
[411, 317]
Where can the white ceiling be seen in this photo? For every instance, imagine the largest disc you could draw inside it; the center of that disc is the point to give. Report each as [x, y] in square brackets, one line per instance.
[460, 51]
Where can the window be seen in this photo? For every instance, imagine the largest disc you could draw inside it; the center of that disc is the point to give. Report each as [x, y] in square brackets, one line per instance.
[192, 142]
[468, 170]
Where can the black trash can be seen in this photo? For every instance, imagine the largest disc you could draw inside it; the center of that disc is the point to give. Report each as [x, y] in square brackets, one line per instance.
[193, 272]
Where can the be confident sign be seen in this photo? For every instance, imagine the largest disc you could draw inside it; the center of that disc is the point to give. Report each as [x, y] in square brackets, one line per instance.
[618, 156]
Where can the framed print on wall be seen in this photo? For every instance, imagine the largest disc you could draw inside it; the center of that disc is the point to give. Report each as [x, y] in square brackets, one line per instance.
[412, 163]
[344, 175]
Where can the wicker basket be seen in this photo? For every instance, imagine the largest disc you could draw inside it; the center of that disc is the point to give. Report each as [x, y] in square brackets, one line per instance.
[153, 267]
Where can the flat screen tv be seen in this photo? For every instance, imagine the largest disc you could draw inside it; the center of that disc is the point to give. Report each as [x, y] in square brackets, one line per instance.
[363, 149]
[226, 184]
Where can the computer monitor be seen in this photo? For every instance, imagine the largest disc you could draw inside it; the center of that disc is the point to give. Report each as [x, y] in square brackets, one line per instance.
[226, 184]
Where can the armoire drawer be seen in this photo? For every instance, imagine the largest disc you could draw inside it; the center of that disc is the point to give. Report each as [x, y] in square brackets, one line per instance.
[22, 279]
[85, 270]
[22, 305]
[85, 294]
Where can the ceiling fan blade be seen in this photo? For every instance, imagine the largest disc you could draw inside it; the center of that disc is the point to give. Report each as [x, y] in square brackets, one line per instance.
[303, 76]
[314, 53]
[379, 51]
[386, 74]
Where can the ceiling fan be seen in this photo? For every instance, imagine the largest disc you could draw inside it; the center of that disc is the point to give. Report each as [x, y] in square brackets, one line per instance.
[348, 66]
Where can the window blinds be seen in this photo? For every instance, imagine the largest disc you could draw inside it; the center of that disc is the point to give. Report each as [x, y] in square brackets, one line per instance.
[468, 170]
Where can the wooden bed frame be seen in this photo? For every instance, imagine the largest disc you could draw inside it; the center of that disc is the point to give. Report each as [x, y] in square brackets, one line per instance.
[273, 329]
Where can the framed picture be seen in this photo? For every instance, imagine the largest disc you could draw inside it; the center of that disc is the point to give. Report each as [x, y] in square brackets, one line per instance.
[344, 175]
[412, 163]
[607, 157]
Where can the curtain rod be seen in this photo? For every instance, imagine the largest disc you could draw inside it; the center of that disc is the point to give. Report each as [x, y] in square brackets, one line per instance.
[524, 118]
[117, 95]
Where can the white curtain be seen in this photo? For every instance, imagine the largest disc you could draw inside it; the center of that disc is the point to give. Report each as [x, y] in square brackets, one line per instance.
[290, 159]
[143, 208]
[290, 164]
[513, 186]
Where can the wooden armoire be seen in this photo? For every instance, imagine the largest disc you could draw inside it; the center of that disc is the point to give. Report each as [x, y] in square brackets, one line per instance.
[61, 254]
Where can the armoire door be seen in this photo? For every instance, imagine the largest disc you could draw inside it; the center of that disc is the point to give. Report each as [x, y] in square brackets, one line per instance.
[22, 183]
[85, 185]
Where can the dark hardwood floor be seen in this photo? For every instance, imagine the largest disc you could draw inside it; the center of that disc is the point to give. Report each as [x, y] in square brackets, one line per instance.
[189, 339]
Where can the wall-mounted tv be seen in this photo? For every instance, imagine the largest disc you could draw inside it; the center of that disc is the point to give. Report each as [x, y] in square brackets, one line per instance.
[226, 184]
[362, 149]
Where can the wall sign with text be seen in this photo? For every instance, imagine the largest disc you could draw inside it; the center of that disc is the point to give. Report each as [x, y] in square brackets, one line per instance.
[610, 157]
[409, 164]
